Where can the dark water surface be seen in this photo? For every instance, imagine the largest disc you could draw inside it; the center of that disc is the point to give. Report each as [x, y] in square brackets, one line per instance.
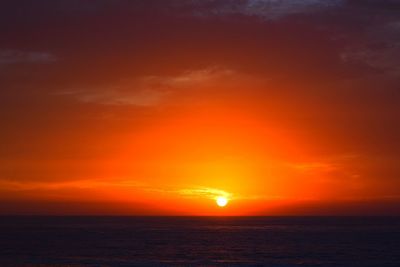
[204, 241]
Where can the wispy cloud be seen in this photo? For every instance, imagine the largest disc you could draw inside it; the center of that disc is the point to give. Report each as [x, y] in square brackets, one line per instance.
[315, 166]
[147, 91]
[273, 9]
[190, 192]
[203, 192]
[332, 170]
[265, 9]
[9, 57]
[380, 52]
[116, 96]
[78, 184]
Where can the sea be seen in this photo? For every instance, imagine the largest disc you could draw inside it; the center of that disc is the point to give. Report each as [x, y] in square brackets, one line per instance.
[30, 241]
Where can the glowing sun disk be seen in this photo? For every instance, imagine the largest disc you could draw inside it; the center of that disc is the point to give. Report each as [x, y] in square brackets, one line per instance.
[221, 201]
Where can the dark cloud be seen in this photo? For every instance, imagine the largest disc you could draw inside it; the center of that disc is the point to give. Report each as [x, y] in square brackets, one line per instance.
[265, 9]
[9, 57]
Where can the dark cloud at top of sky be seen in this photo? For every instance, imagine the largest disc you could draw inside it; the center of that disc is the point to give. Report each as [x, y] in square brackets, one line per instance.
[352, 37]
[265, 9]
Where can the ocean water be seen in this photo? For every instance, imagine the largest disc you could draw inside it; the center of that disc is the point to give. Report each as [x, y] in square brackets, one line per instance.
[199, 241]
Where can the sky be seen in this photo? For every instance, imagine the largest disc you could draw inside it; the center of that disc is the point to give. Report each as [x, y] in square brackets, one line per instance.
[157, 107]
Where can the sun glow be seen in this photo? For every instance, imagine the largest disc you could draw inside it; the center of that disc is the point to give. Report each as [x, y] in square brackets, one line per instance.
[221, 201]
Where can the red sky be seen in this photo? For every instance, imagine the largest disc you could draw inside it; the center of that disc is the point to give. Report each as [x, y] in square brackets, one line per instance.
[158, 107]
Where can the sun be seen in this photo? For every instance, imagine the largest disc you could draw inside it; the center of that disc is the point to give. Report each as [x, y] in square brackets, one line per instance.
[221, 201]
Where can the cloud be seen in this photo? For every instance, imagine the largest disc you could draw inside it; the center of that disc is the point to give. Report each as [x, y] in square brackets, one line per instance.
[380, 51]
[116, 97]
[192, 192]
[9, 57]
[203, 192]
[188, 78]
[77, 184]
[315, 166]
[147, 91]
[376, 44]
[335, 169]
[266, 9]
[272, 9]
[212, 193]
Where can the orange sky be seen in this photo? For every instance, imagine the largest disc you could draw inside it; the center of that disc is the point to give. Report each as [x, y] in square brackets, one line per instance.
[141, 109]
